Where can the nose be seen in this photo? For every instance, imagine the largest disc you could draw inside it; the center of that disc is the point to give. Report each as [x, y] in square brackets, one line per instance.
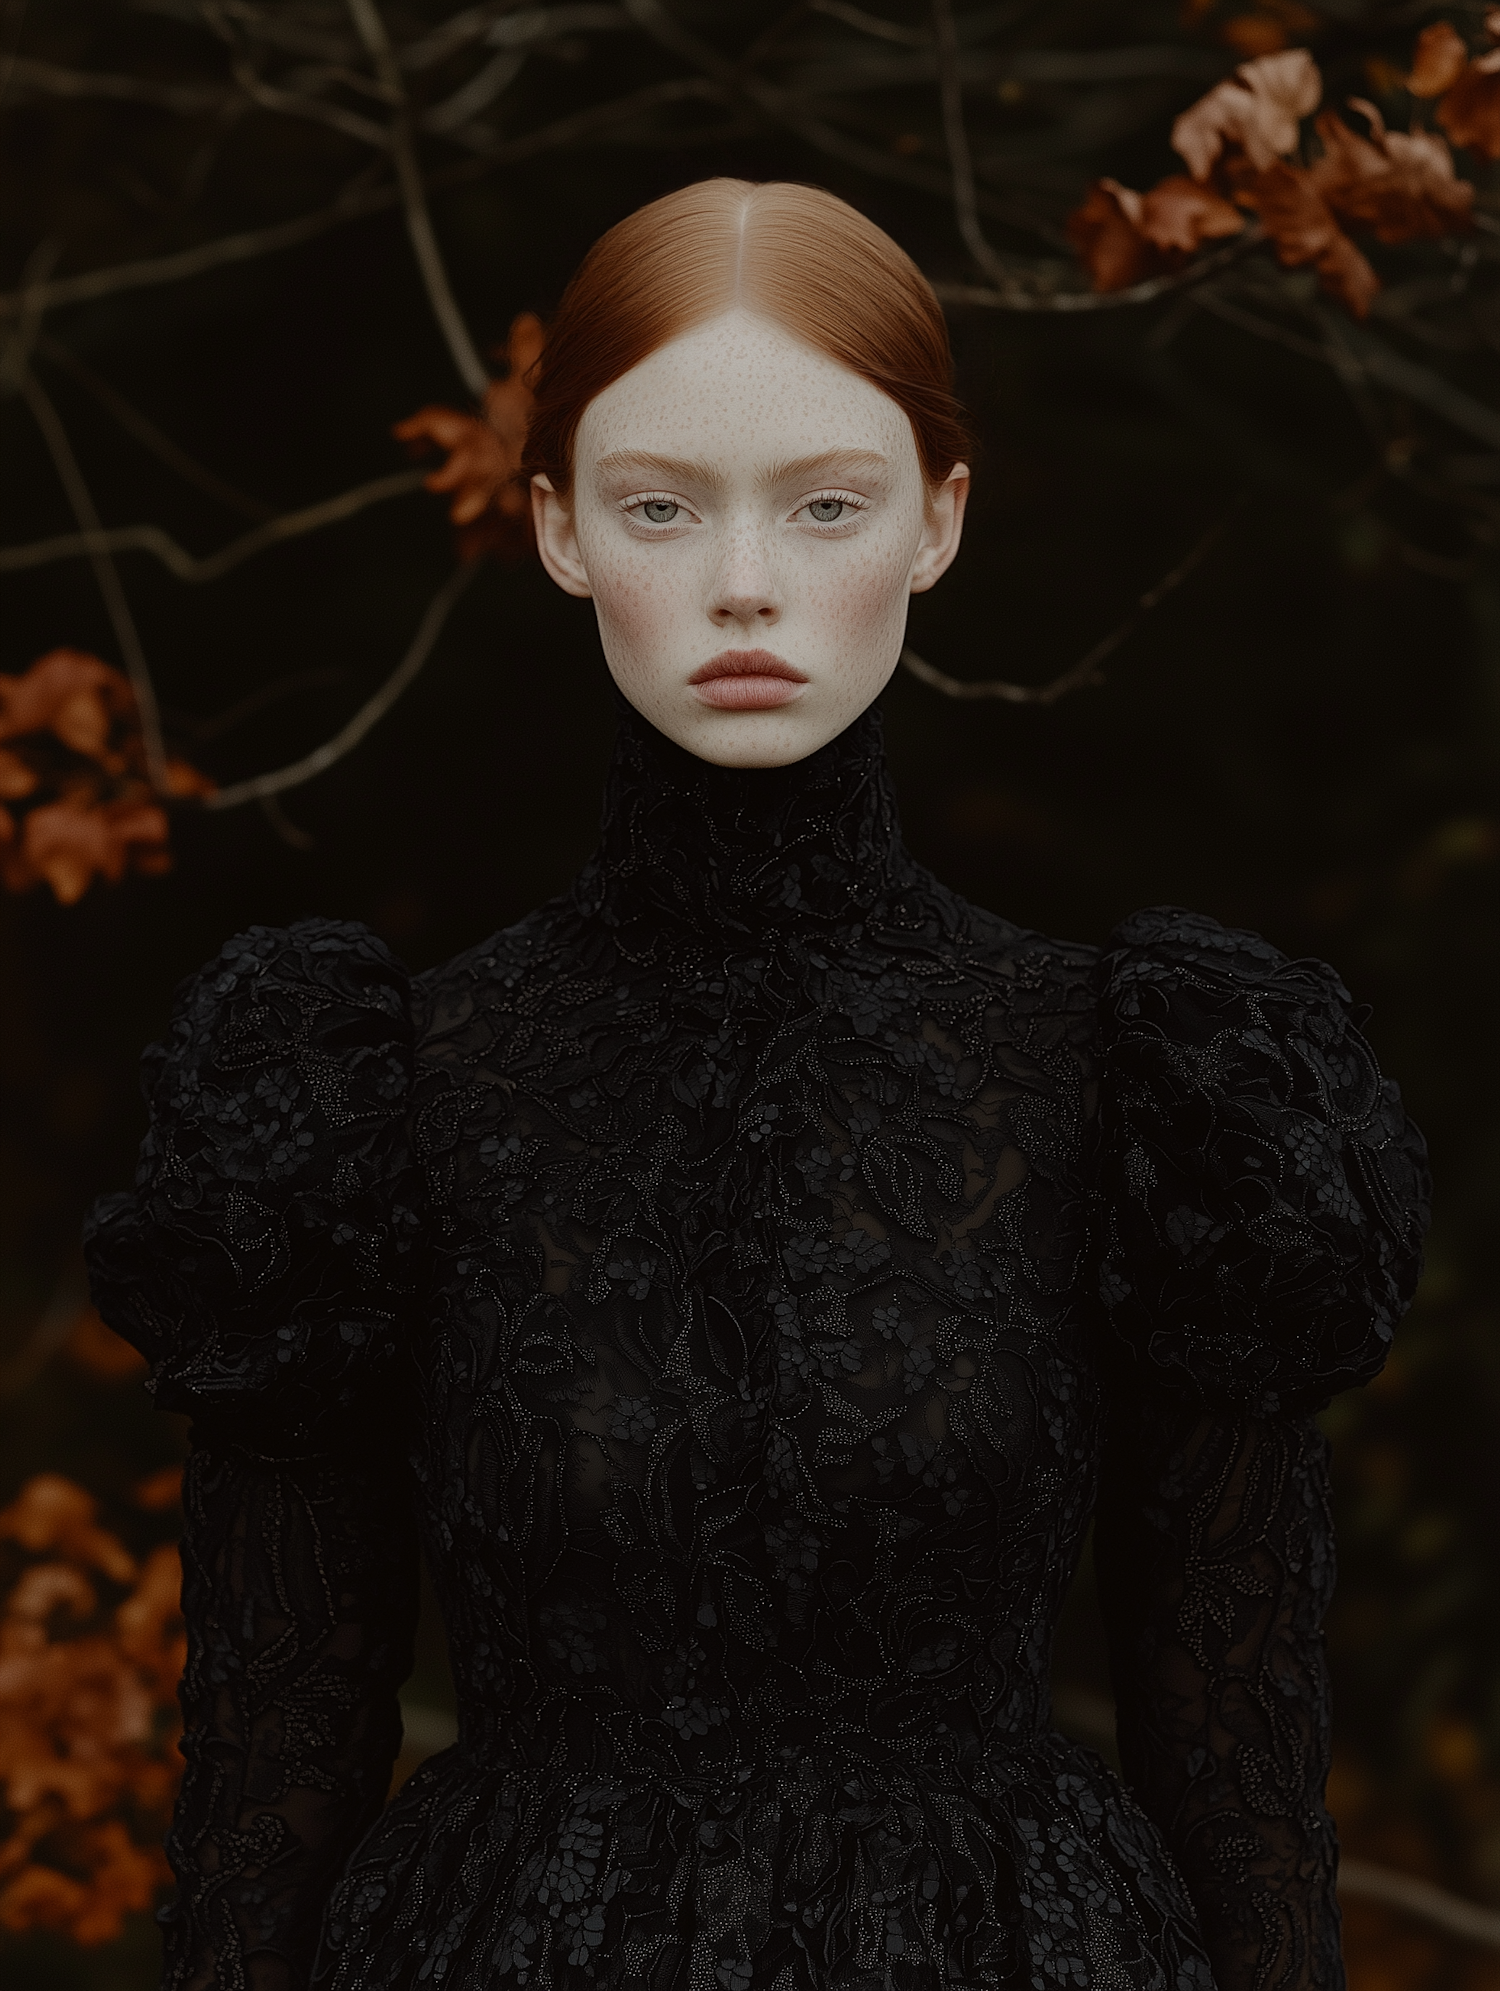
[745, 596]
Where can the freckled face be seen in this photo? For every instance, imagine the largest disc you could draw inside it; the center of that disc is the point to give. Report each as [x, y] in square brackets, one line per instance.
[750, 520]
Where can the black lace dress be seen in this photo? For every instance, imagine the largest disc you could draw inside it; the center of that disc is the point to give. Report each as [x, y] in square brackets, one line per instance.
[745, 1277]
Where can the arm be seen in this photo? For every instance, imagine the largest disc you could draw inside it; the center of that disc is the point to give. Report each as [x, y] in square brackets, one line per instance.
[1214, 1548]
[265, 1264]
[1264, 1199]
[300, 1592]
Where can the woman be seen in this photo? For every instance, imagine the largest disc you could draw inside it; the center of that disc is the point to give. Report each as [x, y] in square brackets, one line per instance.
[743, 1276]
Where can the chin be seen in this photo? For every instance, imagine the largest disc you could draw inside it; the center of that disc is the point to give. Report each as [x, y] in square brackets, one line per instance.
[750, 740]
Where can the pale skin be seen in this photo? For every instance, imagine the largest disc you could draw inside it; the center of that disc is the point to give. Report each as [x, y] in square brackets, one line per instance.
[750, 520]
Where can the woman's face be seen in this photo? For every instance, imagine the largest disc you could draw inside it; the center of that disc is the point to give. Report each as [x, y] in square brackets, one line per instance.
[750, 520]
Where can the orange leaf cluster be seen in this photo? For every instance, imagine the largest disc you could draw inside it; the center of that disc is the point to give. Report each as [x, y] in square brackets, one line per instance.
[88, 1716]
[489, 503]
[71, 751]
[1239, 140]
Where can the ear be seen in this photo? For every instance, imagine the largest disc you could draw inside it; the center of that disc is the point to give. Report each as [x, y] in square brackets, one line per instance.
[556, 541]
[945, 528]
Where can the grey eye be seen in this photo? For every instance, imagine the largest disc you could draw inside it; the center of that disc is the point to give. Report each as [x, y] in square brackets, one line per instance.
[826, 510]
[660, 511]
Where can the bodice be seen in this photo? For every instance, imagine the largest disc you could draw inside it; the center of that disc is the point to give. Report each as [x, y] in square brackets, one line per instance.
[738, 1274]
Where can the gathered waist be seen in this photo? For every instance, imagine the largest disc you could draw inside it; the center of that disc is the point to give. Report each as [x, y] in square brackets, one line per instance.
[573, 1738]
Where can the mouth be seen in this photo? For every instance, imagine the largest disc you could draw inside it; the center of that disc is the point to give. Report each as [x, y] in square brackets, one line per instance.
[747, 681]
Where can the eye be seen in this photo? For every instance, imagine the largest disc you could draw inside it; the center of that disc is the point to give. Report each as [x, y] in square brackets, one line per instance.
[831, 508]
[660, 511]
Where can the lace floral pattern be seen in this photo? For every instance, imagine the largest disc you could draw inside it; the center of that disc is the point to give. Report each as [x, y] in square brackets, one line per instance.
[737, 1273]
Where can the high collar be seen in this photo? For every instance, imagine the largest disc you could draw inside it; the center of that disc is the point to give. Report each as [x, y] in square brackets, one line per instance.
[746, 859]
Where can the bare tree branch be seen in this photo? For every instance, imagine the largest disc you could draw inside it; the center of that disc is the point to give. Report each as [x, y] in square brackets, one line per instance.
[471, 368]
[1015, 299]
[187, 99]
[153, 270]
[869, 24]
[356, 203]
[102, 541]
[292, 103]
[16, 351]
[146, 432]
[785, 108]
[217, 724]
[960, 159]
[118, 608]
[1449, 1912]
[1085, 671]
[1352, 346]
[369, 714]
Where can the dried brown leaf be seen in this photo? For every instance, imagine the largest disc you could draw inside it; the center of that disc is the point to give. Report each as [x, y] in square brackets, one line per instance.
[1440, 57]
[1258, 109]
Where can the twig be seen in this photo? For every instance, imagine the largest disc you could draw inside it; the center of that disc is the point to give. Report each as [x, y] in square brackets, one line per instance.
[102, 541]
[471, 368]
[187, 99]
[357, 204]
[784, 107]
[16, 351]
[1405, 1891]
[291, 834]
[374, 709]
[1258, 327]
[227, 249]
[292, 103]
[960, 158]
[108, 580]
[868, 24]
[145, 431]
[217, 724]
[1354, 347]
[1085, 671]
[1016, 299]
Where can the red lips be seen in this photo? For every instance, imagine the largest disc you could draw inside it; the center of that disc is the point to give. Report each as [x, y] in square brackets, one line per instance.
[747, 681]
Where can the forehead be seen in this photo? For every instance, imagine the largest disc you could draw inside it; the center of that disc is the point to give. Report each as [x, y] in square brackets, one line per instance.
[741, 385]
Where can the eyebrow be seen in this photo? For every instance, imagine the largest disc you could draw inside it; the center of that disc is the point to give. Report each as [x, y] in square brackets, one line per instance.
[807, 469]
[682, 470]
[679, 470]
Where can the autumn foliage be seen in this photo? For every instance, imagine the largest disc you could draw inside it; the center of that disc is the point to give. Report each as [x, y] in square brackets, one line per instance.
[488, 503]
[75, 800]
[1243, 143]
[91, 1649]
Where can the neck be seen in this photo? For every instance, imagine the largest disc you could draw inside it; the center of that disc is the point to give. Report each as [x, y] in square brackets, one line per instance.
[746, 859]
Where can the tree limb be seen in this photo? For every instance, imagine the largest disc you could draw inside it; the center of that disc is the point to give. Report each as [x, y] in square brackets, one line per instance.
[471, 368]
[369, 714]
[100, 541]
[108, 580]
[146, 432]
[1085, 671]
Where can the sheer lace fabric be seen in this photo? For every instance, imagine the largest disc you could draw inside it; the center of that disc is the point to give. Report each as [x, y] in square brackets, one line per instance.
[736, 1274]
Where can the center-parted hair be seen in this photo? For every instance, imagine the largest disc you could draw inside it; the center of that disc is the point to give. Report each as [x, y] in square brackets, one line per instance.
[799, 256]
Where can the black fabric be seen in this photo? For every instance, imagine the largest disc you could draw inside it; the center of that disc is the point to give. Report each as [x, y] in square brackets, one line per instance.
[740, 1273]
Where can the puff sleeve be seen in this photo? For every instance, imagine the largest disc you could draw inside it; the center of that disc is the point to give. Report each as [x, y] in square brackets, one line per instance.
[1264, 1200]
[266, 1266]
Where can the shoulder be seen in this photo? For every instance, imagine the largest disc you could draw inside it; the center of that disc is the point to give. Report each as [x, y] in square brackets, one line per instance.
[271, 1227]
[1265, 1193]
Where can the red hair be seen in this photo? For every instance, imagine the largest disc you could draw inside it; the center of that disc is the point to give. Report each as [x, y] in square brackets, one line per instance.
[797, 255]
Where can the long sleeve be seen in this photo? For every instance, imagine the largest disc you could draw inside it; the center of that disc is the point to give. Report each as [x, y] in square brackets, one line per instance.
[1214, 1545]
[264, 1264]
[299, 1590]
[1265, 1201]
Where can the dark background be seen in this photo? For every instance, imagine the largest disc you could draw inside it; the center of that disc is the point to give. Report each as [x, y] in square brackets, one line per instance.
[1302, 740]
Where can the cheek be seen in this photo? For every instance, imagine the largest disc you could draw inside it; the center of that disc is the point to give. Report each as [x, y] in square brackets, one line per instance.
[867, 592]
[634, 595]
